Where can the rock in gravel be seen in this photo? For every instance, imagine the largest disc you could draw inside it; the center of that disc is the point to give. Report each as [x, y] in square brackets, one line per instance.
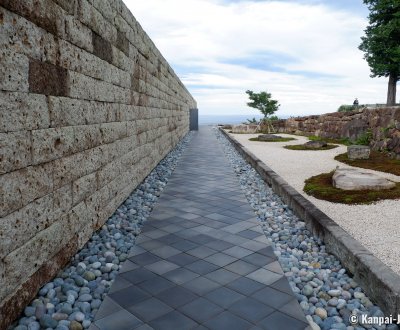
[47, 321]
[321, 312]
[75, 326]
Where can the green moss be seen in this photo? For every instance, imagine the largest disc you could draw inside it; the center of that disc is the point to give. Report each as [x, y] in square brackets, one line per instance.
[344, 141]
[320, 186]
[377, 161]
[272, 140]
[303, 147]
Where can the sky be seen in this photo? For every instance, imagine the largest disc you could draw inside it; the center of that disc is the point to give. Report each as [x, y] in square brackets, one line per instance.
[305, 52]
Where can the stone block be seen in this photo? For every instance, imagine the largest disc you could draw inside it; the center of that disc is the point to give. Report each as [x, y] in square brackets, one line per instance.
[111, 132]
[40, 74]
[62, 200]
[21, 187]
[21, 111]
[84, 187]
[14, 71]
[52, 143]
[358, 152]
[20, 226]
[15, 151]
[123, 43]
[87, 136]
[79, 34]
[102, 48]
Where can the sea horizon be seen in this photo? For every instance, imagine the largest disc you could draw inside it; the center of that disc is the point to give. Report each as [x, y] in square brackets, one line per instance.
[227, 119]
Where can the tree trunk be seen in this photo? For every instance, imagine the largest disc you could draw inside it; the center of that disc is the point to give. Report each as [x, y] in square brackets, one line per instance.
[391, 94]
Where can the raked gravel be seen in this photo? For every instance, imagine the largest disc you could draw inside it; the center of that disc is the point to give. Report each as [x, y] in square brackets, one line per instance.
[326, 293]
[376, 225]
[70, 301]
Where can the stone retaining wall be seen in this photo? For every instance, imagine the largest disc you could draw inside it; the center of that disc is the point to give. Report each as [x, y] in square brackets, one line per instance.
[382, 123]
[88, 107]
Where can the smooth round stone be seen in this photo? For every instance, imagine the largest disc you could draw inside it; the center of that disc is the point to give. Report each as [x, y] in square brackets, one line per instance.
[59, 316]
[308, 290]
[334, 293]
[95, 304]
[79, 280]
[66, 309]
[62, 327]
[75, 326]
[71, 299]
[34, 326]
[86, 324]
[346, 295]
[85, 307]
[79, 316]
[89, 276]
[321, 312]
[333, 302]
[341, 303]
[304, 305]
[96, 265]
[40, 311]
[21, 327]
[48, 322]
[29, 311]
[359, 295]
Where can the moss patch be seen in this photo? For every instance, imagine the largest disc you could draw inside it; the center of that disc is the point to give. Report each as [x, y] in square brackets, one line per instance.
[377, 161]
[320, 186]
[344, 141]
[303, 147]
[273, 140]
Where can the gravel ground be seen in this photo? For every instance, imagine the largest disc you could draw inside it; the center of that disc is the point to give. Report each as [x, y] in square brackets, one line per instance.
[70, 301]
[329, 297]
[376, 225]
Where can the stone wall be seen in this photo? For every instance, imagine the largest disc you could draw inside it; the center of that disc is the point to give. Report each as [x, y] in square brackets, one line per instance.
[382, 123]
[88, 107]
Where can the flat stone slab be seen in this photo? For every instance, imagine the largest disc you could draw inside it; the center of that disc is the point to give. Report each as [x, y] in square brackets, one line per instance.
[315, 144]
[269, 137]
[354, 179]
[358, 152]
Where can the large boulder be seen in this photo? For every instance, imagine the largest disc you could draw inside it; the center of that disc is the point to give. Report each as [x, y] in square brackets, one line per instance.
[358, 152]
[355, 179]
[315, 144]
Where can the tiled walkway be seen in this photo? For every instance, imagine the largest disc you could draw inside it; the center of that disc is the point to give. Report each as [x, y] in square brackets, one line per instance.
[202, 260]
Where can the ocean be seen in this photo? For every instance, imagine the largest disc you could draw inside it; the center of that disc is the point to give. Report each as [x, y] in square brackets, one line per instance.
[235, 119]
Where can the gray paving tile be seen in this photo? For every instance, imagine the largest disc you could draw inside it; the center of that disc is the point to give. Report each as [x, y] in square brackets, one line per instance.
[180, 275]
[241, 267]
[245, 286]
[250, 309]
[127, 266]
[176, 296]
[264, 276]
[238, 252]
[201, 252]
[150, 309]
[145, 259]
[173, 321]
[228, 321]
[224, 297]
[165, 251]
[258, 259]
[278, 320]
[220, 245]
[272, 297]
[156, 284]
[201, 310]
[220, 259]
[129, 296]
[185, 245]
[107, 307]
[182, 259]
[201, 285]
[119, 283]
[222, 276]
[202, 267]
[161, 267]
[137, 276]
[121, 320]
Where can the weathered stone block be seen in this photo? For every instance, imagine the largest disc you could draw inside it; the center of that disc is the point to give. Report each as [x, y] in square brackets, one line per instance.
[102, 48]
[123, 43]
[52, 143]
[358, 152]
[20, 226]
[14, 71]
[21, 187]
[15, 151]
[84, 187]
[21, 111]
[40, 74]
[78, 34]
[87, 137]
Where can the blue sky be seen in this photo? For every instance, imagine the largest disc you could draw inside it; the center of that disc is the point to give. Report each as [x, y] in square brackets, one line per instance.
[304, 52]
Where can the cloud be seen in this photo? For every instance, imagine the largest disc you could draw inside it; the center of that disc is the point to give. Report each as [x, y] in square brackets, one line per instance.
[303, 52]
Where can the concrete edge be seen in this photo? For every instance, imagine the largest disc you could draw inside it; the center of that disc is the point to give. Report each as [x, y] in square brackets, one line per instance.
[380, 282]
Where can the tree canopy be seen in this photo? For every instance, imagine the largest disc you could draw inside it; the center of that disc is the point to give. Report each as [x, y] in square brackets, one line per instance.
[263, 102]
[381, 43]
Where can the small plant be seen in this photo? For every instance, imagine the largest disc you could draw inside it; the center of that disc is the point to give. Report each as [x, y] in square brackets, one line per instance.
[283, 139]
[346, 108]
[253, 121]
[303, 147]
[365, 138]
[344, 141]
